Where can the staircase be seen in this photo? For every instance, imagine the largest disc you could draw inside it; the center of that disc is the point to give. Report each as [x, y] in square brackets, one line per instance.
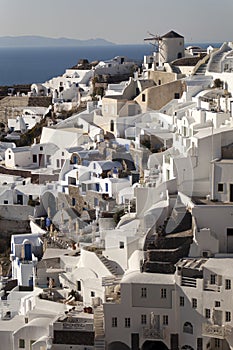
[108, 264]
[99, 328]
[215, 62]
[202, 69]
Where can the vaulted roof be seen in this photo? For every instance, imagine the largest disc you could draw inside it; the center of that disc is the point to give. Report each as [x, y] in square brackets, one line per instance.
[172, 34]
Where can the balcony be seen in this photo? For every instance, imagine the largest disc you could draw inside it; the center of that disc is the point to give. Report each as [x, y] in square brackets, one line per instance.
[152, 333]
[211, 287]
[216, 331]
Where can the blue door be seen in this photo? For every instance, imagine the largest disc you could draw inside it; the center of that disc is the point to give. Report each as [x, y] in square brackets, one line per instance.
[28, 251]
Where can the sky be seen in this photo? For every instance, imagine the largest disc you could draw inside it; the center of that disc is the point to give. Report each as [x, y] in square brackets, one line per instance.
[118, 21]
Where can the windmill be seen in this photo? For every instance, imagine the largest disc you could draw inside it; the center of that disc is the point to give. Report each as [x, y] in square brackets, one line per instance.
[157, 42]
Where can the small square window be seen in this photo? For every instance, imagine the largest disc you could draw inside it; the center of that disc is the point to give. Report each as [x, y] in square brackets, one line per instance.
[207, 313]
[165, 320]
[127, 322]
[121, 245]
[228, 316]
[143, 292]
[181, 301]
[227, 284]
[143, 319]
[212, 279]
[217, 303]
[21, 343]
[114, 322]
[220, 187]
[163, 293]
[194, 303]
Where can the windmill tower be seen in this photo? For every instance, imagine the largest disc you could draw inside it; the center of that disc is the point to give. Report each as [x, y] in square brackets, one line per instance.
[156, 42]
[169, 47]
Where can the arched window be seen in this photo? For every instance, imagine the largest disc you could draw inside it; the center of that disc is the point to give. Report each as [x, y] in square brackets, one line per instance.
[188, 328]
[179, 55]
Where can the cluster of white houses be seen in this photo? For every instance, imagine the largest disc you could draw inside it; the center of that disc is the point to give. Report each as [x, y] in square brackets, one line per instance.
[138, 206]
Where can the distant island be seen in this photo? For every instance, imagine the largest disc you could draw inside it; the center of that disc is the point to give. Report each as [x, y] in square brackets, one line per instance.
[40, 41]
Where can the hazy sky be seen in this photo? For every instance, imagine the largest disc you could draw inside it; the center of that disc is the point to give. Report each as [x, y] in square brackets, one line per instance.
[119, 21]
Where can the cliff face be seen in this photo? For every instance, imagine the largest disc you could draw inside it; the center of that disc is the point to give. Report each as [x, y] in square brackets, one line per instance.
[12, 106]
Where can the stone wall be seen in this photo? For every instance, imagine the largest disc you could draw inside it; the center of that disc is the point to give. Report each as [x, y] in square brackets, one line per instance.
[156, 97]
[74, 192]
[16, 212]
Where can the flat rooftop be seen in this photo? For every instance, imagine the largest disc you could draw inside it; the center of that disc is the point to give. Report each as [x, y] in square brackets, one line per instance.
[205, 201]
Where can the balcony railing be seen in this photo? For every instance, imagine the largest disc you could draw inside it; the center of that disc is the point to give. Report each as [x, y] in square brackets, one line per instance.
[212, 287]
[152, 333]
[216, 331]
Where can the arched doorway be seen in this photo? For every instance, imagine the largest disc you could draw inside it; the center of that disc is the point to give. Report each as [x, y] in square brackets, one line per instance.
[154, 345]
[118, 345]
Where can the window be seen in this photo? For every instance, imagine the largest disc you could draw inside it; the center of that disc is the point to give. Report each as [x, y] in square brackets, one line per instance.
[143, 319]
[5, 201]
[194, 303]
[228, 316]
[176, 95]
[34, 158]
[207, 313]
[188, 328]
[217, 303]
[227, 284]
[41, 148]
[106, 187]
[143, 98]
[92, 294]
[143, 292]
[79, 286]
[21, 343]
[114, 322]
[121, 245]
[73, 202]
[220, 187]
[217, 343]
[58, 163]
[163, 293]
[181, 301]
[165, 320]
[127, 322]
[62, 153]
[112, 125]
[9, 156]
[212, 279]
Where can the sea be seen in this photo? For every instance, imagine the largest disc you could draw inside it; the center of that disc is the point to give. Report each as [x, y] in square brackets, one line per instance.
[27, 65]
